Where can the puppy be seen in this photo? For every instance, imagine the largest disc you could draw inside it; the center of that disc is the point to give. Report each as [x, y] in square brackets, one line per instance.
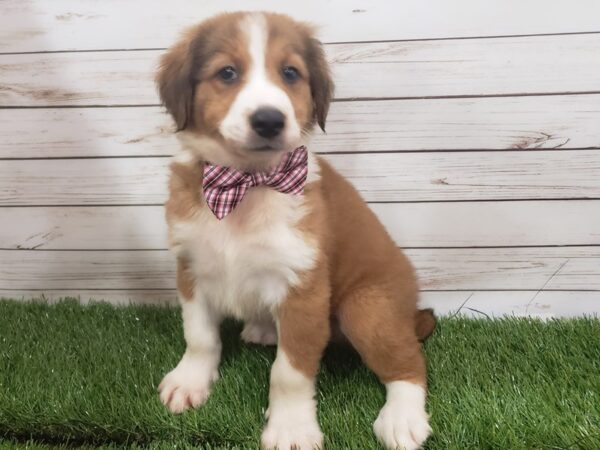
[267, 232]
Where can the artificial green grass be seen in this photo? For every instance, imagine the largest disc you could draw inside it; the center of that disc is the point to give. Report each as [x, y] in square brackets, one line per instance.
[86, 377]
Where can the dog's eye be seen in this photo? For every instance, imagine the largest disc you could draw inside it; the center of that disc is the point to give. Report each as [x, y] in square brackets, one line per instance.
[290, 74]
[228, 74]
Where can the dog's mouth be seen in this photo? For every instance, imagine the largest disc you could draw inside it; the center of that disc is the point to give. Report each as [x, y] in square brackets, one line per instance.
[263, 148]
[255, 148]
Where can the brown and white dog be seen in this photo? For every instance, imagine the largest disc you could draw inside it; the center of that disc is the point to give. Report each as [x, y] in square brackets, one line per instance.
[244, 90]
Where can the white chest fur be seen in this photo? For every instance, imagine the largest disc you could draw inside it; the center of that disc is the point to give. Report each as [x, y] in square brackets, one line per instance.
[245, 264]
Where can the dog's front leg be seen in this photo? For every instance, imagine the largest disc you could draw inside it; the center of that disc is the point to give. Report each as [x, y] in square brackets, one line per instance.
[303, 332]
[188, 385]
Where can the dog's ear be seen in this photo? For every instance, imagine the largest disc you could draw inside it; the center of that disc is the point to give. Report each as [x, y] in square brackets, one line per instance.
[321, 84]
[175, 81]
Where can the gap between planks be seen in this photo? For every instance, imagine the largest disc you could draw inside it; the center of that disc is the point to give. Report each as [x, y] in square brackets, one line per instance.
[374, 202]
[357, 152]
[408, 247]
[381, 41]
[339, 100]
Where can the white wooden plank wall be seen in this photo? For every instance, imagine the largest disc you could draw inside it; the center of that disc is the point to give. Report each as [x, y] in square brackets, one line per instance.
[470, 127]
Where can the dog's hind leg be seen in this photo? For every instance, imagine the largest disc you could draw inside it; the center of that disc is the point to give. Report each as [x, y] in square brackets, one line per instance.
[260, 331]
[383, 331]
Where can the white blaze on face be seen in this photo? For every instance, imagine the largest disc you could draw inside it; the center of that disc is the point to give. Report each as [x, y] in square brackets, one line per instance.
[258, 92]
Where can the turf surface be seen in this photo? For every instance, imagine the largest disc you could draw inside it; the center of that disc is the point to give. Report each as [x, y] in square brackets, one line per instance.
[86, 377]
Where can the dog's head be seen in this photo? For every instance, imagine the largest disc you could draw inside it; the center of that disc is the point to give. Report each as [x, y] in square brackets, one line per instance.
[246, 87]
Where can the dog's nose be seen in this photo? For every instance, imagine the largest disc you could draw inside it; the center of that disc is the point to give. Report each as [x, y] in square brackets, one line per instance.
[267, 122]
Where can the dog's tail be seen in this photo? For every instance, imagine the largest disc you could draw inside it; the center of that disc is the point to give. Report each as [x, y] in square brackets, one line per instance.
[425, 321]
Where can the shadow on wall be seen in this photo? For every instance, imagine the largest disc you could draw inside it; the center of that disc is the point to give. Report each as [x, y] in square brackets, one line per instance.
[76, 121]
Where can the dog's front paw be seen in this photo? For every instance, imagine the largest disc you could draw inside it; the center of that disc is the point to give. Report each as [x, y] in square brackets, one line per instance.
[262, 333]
[294, 428]
[187, 385]
[403, 424]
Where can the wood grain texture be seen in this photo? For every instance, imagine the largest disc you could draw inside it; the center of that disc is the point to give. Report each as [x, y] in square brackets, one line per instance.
[477, 304]
[572, 268]
[467, 67]
[382, 70]
[110, 181]
[104, 228]
[542, 304]
[454, 125]
[86, 132]
[391, 177]
[34, 25]
[528, 123]
[453, 224]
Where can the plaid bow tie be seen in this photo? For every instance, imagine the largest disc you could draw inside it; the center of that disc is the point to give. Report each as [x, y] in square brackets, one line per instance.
[224, 187]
